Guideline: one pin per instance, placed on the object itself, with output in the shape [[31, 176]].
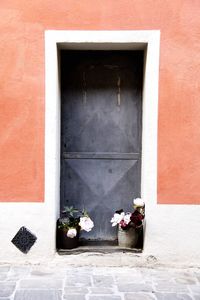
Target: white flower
[[71, 233], [117, 218], [138, 202], [86, 224], [127, 218]]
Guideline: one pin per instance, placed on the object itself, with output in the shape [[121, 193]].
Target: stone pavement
[[96, 283]]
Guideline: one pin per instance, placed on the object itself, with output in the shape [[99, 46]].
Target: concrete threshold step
[[98, 247]]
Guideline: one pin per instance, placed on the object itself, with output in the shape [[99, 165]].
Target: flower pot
[[127, 238], [66, 242]]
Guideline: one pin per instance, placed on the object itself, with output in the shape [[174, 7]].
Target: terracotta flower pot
[[127, 238]]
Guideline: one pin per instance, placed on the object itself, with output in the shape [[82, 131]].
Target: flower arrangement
[[126, 220], [74, 221]]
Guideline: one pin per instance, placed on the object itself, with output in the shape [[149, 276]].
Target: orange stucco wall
[[22, 25]]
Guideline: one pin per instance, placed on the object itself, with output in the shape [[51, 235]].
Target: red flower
[[136, 218], [123, 224]]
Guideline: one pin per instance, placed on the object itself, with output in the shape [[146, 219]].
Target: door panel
[[101, 133], [103, 186]]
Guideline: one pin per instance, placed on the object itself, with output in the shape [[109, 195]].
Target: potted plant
[[129, 224], [70, 225]]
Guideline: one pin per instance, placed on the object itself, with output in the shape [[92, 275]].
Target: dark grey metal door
[[101, 125]]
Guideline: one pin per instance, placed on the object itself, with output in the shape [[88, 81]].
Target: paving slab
[[98, 283], [103, 280], [38, 295], [7, 288], [3, 276], [103, 297], [75, 290], [101, 290], [195, 289], [172, 296], [139, 296], [4, 269], [171, 287], [41, 283], [134, 287], [74, 297], [78, 280]]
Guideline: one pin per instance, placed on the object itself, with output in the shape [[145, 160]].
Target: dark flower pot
[[64, 242]]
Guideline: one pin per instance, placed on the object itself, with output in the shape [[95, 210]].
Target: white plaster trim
[[101, 40], [121, 40]]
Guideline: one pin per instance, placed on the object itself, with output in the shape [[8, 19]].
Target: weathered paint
[[22, 26], [101, 156]]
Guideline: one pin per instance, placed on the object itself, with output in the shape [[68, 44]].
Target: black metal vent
[[24, 240]]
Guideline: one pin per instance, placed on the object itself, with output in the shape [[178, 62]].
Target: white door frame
[[149, 40]]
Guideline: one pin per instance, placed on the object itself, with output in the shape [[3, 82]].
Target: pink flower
[[86, 224], [71, 233], [123, 225]]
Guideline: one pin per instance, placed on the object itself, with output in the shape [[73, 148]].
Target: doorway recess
[[101, 124], [145, 41]]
